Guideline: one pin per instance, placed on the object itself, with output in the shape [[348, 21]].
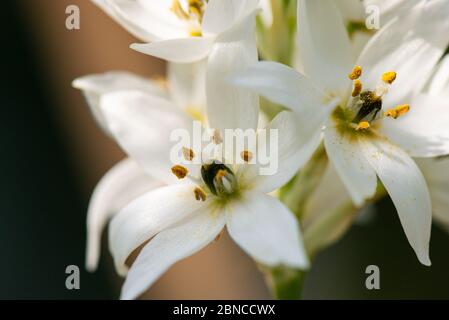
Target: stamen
[[246, 155], [200, 195], [195, 33], [357, 88], [389, 77], [179, 171], [355, 73], [363, 125], [188, 154], [398, 111], [196, 7]]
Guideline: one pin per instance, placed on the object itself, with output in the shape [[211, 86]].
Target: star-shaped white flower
[[374, 125], [179, 30]]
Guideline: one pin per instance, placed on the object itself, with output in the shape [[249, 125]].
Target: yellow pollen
[[246, 155], [398, 111], [196, 7], [357, 88], [200, 195], [195, 33], [188, 154], [363, 125], [389, 77], [179, 171], [355, 73]]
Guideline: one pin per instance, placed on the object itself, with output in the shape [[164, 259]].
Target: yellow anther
[[402, 109], [195, 33], [355, 73], [398, 111], [188, 154], [246, 155], [179, 171], [389, 77], [357, 88], [200, 195], [363, 125]]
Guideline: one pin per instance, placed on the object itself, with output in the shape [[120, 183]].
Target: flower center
[[364, 106], [192, 12], [220, 180]]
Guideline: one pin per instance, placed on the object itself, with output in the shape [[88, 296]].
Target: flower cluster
[[353, 108]]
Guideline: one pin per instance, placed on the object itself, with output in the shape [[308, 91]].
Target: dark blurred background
[[53, 154]]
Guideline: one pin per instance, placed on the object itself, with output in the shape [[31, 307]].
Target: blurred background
[[53, 154]]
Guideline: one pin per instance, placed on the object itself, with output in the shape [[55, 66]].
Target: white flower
[[362, 136], [176, 220], [179, 30]]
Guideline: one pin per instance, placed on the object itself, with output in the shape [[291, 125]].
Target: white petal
[[95, 85], [229, 107], [119, 186], [128, 14], [424, 130], [148, 215], [266, 230], [280, 84], [167, 248], [147, 20], [352, 167], [188, 85], [410, 46], [290, 152], [407, 189], [440, 81], [221, 16], [436, 173], [142, 125], [184, 50], [324, 45], [267, 13], [389, 9]]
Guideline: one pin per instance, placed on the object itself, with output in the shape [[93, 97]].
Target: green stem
[[285, 283], [297, 193]]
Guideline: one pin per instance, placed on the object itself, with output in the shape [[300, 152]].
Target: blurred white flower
[[436, 170], [179, 30], [368, 132]]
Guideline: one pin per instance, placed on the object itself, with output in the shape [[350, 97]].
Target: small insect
[[219, 178], [370, 104]]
